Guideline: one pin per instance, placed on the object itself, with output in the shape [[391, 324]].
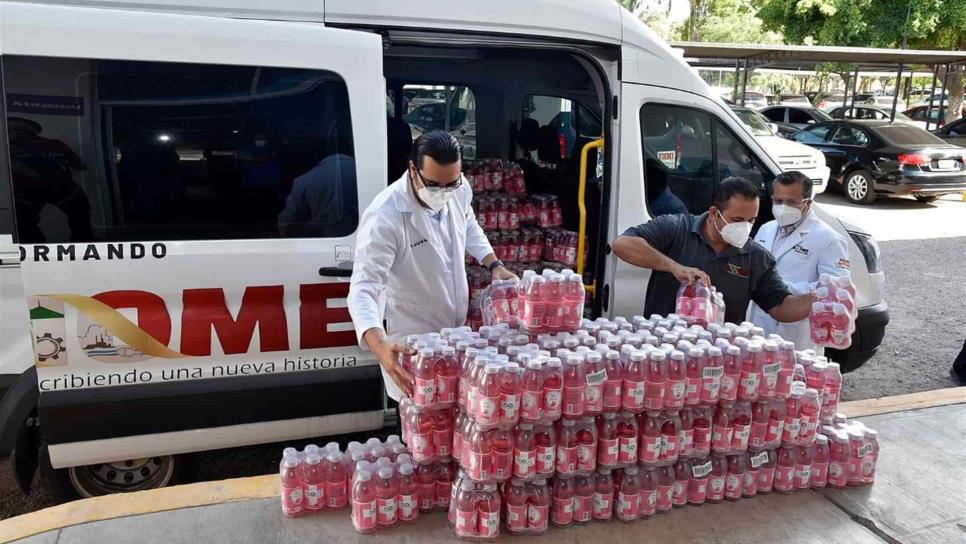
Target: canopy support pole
[[895, 97]]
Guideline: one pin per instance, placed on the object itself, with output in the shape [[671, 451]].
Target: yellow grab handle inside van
[[581, 193]]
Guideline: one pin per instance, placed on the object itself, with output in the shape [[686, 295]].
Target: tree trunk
[[954, 86]]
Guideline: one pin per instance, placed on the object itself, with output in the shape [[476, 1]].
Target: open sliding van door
[[187, 191]]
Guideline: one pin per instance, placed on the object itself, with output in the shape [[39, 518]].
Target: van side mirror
[[810, 122]]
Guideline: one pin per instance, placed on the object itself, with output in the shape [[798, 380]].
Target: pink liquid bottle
[[634, 387], [613, 382], [665, 488], [420, 437], [525, 452], [629, 496], [313, 482], [649, 479], [650, 438], [722, 432], [718, 478], [336, 481], [445, 475], [809, 411], [820, 462], [573, 302], [751, 373], [488, 397], [803, 467], [603, 495], [702, 431], [566, 447], [510, 393], [608, 443], [786, 356], [546, 450], [695, 363], [793, 422], [424, 375], [441, 423], [583, 498], [770, 367], [538, 511], [290, 479], [684, 299], [831, 389], [870, 455], [501, 445], [819, 321], [626, 440], [856, 437], [815, 375], [535, 306], [840, 327], [767, 461], [480, 468], [670, 441], [686, 433], [711, 376], [785, 469], [562, 502], [682, 476], [759, 424], [386, 491], [552, 389], [488, 513], [741, 423], [595, 376], [407, 499], [447, 377], [776, 422], [466, 517], [456, 449], [473, 382], [466, 451], [657, 385], [364, 509], [575, 387], [531, 403], [553, 295], [734, 484], [426, 487], [732, 374], [677, 381], [839, 458], [516, 498], [698, 483], [586, 445]]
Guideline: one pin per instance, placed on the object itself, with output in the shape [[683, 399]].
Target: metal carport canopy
[[808, 56]]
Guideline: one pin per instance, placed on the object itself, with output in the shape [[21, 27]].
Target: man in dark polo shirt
[[715, 249]]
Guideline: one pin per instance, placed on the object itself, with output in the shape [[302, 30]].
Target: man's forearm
[[374, 338], [793, 308], [488, 259], [638, 252]]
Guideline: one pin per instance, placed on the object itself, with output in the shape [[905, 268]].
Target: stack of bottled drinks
[[832, 320]]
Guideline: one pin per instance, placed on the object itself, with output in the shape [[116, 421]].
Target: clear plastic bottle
[[290, 478], [447, 377], [711, 374], [759, 424], [787, 359], [586, 445], [501, 446], [776, 422], [698, 484], [575, 387], [583, 498], [595, 375], [386, 491], [336, 481], [608, 446], [510, 392], [736, 477], [722, 433], [831, 389], [612, 388], [686, 432], [649, 480], [820, 461], [751, 373], [407, 498], [524, 452], [546, 440], [531, 403], [650, 438], [603, 495], [717, 480], [562, 509], [566, 447], [634, 388], [538, 511], [741, 425], [731, 375], [488, 508], [670, 432], [809, 414], [682, 475], [665, 488], [785, 469], [516, 498], [793, 422], [702, 424], [839, 458], [677, 381], [424, 376], [628, 503], [466, 517], [750, 482], [552, 389], [364, 510], [803, 467], [313, 482]]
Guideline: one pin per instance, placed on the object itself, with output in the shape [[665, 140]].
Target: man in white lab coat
[[409, 257], [803, 245]]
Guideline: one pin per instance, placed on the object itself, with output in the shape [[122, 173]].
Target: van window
[[442, 107], [684, 163], [118, 150], [563, 124]]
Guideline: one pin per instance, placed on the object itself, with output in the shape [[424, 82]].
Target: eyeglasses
[[440, 186], [792, 203]]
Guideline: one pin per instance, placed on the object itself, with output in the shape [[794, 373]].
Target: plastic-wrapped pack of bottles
[[499, 302], [474, 511], [313, 480], [832, 320], [700, 305]]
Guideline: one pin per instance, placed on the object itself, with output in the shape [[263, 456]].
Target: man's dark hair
[[793, 178], [438, 144], [732, 187]]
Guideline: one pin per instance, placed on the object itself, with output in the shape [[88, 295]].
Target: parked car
[[827, 101], [873, 113], [868, 158], [934, 116], [798, 116], [794, 99], [789, 154], [753, 99], [954, 133]]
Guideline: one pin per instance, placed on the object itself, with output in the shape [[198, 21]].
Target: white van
[[181, 183]]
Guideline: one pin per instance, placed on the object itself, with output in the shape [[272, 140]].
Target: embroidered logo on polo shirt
[[844, 264], [419, 243], [800, 249], [737, 270]]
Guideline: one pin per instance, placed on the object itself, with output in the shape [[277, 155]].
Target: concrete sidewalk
[[919, 497]]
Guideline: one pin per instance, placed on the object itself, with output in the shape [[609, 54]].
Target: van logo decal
[[91, 252]]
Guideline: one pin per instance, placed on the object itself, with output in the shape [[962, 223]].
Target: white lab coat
[[809, 250], [399, 270]]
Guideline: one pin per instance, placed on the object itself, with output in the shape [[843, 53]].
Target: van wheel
[[859, 188], [105, 478]]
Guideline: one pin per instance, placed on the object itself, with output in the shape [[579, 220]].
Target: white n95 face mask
[[735, 234], [436, 200], [786, 215]]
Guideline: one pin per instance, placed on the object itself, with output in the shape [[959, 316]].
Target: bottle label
[[627, 450], [583, 508], [633, 395], [563, 511], [502, 465], [654, 395], [489, 524], [530, 405], [314, 496], [648, 501], [669, 446], [698, 489], [750, 486], [702, 470], [551, 400], [712, 372], [612, 393], [480, 468], [566, 459], [386, 511], [510, 404], [525, 463], [421, 446], [516, 517], [771, 375], [446, 387], [679, 492], [603, 505], [693, 393], [807, 432], [865, 449], [424, 392], [749, 384], [408, 507], [364, 515], [868, 466], [443, 489], [775, 429], [546, 455], [608, 450], [716, 487], [721, 438], [665, 495], [784, 478], [766, 479], [702, 439], [486, 410], [628, 505], [336, 494], [837, 473], [758, 459], [733, 485], [594, 401], [574, 400], [759, 431], [803, 475], [537, 516], [597, 378], [291, 499], [466, 522], [729, 387], [675, 396], [793, 426], [819, 475], [651, 447], [740, 437], [427, 497], [586, 457]]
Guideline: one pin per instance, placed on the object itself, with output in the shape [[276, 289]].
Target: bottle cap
[[638, 355], [811, 393], [405, 469], [677, 355], [449, 351], [383, 462], [630, 470], [657, 355], [362, 465], [593, 357], [714, 351], [404, 459], [612, 354], [491, 369], [363, 475], [786, 345], [534, 364], [734, 350], [289, 451], [695, 352], [821, 439], [426, 353], [554, 362], [771, 345], [567, 422], [526, 426], [609, 415], [513, 368]]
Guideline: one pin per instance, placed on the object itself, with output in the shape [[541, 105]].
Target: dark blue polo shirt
[[743, 275]]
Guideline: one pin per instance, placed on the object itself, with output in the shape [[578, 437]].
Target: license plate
[[948, 164]]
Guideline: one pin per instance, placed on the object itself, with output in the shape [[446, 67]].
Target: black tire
[[56, 481], [926, 198], [859, 187]]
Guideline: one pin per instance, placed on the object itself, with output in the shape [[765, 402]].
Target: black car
[[867, 158], [798, 116], [954, 133]]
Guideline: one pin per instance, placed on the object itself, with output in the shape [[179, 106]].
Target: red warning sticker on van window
[[667, 158]]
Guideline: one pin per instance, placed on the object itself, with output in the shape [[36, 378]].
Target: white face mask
[[735, 234], [435, 199], [786, 215]]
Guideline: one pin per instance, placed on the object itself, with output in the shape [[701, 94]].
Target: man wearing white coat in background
[[409, 257], [804, 247]]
